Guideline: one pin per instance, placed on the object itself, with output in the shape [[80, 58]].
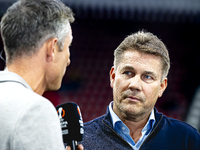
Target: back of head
[[145, 42], [27, 24]]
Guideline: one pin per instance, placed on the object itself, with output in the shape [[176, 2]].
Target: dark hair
[[27, 24]]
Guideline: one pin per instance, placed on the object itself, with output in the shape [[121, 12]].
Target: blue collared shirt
[[123, 130]]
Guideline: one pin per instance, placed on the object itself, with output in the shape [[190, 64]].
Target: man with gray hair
[[36, 36], [138, 79]]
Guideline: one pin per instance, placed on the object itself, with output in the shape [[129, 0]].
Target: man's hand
[[80, 147]]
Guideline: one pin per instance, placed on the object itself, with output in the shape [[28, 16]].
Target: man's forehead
[[134, 60]]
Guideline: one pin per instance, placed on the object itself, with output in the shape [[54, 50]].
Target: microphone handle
[[73, 144]]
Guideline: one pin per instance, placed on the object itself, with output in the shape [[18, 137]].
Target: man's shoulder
[[94, 124], [175, 122], [94, 121], [177, 126], [20, 99]]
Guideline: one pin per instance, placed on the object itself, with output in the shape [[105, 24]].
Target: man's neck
[[31, 72], [136, 128]]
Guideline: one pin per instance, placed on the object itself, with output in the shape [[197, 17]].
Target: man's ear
[[51, 49], [163, 86], [112, 76]]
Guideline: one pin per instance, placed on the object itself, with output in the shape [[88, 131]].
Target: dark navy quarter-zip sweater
[[167, 134]]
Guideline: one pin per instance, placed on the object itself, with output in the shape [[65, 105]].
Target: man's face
[[60, 63], [136, 85]]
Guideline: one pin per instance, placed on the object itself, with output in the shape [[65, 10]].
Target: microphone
[[71, 123]]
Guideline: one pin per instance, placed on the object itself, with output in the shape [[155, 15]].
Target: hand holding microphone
[[80, 147], [71, 124]]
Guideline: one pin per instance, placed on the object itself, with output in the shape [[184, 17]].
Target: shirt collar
[[7, 76], [150, 123], [114, 117]]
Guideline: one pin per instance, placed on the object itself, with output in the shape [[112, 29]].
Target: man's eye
[[127, 72], [148, 77]]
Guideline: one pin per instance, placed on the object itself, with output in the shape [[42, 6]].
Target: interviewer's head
[[39, 28], [27, 24]]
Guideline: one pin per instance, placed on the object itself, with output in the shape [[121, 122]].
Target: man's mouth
[[133, 99]]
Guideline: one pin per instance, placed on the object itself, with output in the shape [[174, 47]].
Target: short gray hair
[[27, 24]]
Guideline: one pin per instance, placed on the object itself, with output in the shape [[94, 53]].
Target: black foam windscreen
[[71, 122]]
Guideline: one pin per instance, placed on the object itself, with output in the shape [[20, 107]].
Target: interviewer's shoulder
[[36, 103]]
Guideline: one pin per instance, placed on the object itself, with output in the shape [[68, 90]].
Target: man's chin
[[54, 88]]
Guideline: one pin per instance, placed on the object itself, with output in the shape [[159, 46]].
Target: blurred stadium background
[[99, 28]]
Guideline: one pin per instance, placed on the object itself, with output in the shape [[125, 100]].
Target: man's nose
[[135, 83]]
